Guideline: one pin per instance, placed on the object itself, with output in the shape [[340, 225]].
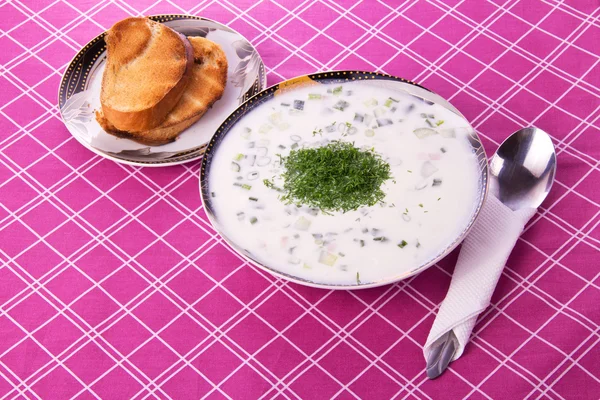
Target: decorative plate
[[332, 78], [79, 96]]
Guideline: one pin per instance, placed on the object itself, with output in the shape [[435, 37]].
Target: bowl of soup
[[344, 179]]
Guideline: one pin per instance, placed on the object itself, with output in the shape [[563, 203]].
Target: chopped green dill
[[380, 239], [409, 171], [337, 91], [358, 278], [317, 132], [441, 121], [402, 244], [439, 198], [348, 125], [335, 177], [421, 205], [253, 220], [406, 209], [271, 185], [253, 198]]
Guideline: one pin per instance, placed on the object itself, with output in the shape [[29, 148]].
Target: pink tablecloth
[[114, 285]]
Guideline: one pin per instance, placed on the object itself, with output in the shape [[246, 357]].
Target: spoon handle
[[480, 263], [441, 354]]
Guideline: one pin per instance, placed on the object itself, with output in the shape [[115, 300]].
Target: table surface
[[114, 285]]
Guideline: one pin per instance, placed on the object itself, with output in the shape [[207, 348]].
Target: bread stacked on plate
[[157, 82]]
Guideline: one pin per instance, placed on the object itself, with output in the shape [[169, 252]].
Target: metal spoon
[[521, 175]]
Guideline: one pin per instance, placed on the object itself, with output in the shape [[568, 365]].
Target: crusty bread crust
[[147, 70], [206, 86], [160, 135]]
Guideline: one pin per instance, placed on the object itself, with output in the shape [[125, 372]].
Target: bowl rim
[[335, 76]]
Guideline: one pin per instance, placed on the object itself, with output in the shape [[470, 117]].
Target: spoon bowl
[[522, 170]]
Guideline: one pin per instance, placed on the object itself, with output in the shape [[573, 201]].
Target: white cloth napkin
[[480, 263]]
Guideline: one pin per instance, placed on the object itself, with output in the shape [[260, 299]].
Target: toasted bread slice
[[147, 70], [206, 86]]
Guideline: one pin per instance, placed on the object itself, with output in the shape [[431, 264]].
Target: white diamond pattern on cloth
[[480, 263]]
